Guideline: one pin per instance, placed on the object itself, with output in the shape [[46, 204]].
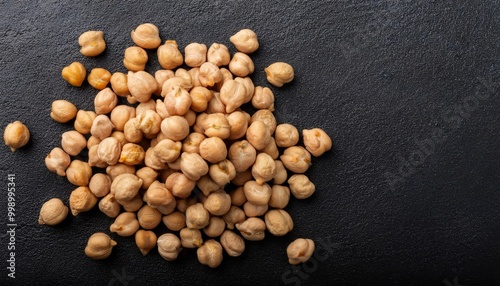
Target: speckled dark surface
[[378, 76]]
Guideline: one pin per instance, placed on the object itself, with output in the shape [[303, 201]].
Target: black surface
[[378, 76]]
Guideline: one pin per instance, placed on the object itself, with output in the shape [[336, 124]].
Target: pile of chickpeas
[[183, 152]]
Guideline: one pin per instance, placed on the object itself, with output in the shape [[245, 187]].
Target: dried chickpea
[[183, 204], [200, 96], [53, 212], [209, 74], [226, 75], [233, 216], [57, 161], [265, 116], [93, 141], [118, 169], [150, 160], [245, 41], [197, 217], [300, 186], [169, 55], [175, 127], [120, 115], [175, 221], [109, 150], [300, 250], [141, 85], [94, 159], [147, 175], [195, 54], [101, 127], [190, 117], [161, 77], [132, 131], [278, 222], [271, 149], [233, 244], [253, 210], [263, 98], [73, 142], [63, 111], [199, 124], [146, 36], [213, 149], [238, 196], [133, 205], [81, 200], [78, 173], [316, 141], [215, 105], [99, 246], [218, 54], [238, 124], [99, 78], [100, 185], [176, 81], [125, 187], [286, 135], [249, 86], [84, 120], [252, 229], [105, 101], [258, 135], [279, 197], [149, 217], [218, 203], [92, 43], [264, 168], [242, 154], [158, 195], [215, 227], [177, 101], [125, 224], [279, 73], [222, 172], [232, 94], [296, 159], [210, 253], [193, 165], [180, 185], [258, 194], [145, 240], [207, 185], [169, 246], [216, 125], [149, 123], [135, 59], [74, 74], [109, 206], [242, 177], [119, 84], [16, 135], [191, 238], [241, 65]]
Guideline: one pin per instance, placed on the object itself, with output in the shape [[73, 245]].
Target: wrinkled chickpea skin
[[146, 36], [210, 253], [316, 141], [53, 212], [300, 250], [92, 43], [99, 246], [245, 41], [74, 74], [57, 161], [169, 246], [279, 73], [16, 135], [63, 111]]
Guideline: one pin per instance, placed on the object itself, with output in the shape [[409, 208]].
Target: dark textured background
[[378, 76]]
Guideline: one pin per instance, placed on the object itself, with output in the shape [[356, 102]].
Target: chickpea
[[141, 85], [218, 203], [161, 77], [100, 185], [195, 74], [177, 101], [193, 166], [300, 186], [109, 150], [218, 54], [125, 224], [179, 185], [118, 169], [74, 74], [175, 127], [249, 86], [109, 206], [232, 243], [53, 212], [169, 246], [232, 94], [199, 124], [238, 125], [145, 240], [279, 197], [92, 43], [316, 141], [216, 125], [135, 59], [258, 135], [120, 115], [73, 142], [222, 172], [233, 216], [286, 135], [242, 154], [93, 141], [119, 84], [258, 194], [84, 120], [241, 65], [168, 150], [150, 160], [207, 185], [147, 175], [264, 168], [78, 173], [94, 159], [149, 123], [99, 246], [125, 187], [238, 196], [191, 238], [190, 117], [265, 116], [263, 98], [300, 250], [175, 221], [242, 177], [296, 159], [215, 105], [101, 127], [213, 149], [158, 196], [105, 101], [169, 55], [132, 154], [133, 205], [226, 75], [253, 210], [57, 161], [132, 131], [16, 135], [81, 200], [149, 217], [252, 229], [63, 111], [183, 204], [271, 149], [209, 74], [278, 222], [99, 78], [195, 54], [215, 227], [146, 36], [197, 217], [200, 96], [176, 81], [210, 253], [245, 41], [279, 73]]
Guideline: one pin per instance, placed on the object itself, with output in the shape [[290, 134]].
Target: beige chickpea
[[101, 127], [194, 73], [218, 203], [218, 54], [278, 222], [296, 159], [197, 217], [281, 173], [74, 74], [177, 100], [169, 55], [286, 135], [252, 229], [264, 168], [249, 87], [238, 124], [63, 111], [253, 210], [132, 131], [233, 244], [226, 75], [109, 206], [222, 172], [146, 36], [149, 217], [109, 150], [192, 142], [120, 115], [191, 238], [233, 216], [180, 185], [176, 81], [207, 185], [16, 135], [232, 94], [216, 125], [263, 98], [279, 73], [161, 77], [183, 204], [84, 120], [168, 150], [100, 185], [316, 141], [145, 240], [245, 41], [133, 205], [118, 169], [57, 161], [215, 105], [93, 141], [175, 127], [279, 197], [241, 65], [175, 221], [125, 187], [73, 142], [195, 54], [161, 109], [300, 250], [258, 194], [190, 117], [267, 117], [271, 149], [209, 74], [143, 107], [53, 212], [199, 124], [94, 159], [92, 43], [135, 59], [149, 123], [213, 149], [242, 177], [210, 253], [78, 173], [125, 224], [119, 85], [150, 160], [215, 227], [193, 165], [105, 101], [147, 175], [200, 96], [258, 135], [99, 78], [238, 195], [158, 195], [141, 85], [169, 246], [242, 154], [131, 154], [99, 246], [81, 200], [300, 186]]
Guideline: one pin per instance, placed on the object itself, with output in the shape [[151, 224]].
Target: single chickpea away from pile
[[180, 149], [16, 135]]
